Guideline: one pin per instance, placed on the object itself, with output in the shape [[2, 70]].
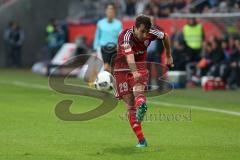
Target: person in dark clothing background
[[234, 65], [216, 59], [204, 64], [14, 38], [55, 37], [81, 44], [179, 51], [7, 43], [179, 56]]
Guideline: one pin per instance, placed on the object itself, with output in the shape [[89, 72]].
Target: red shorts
[[125, 82]]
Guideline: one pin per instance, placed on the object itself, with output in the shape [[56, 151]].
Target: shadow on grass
[[131, 150]]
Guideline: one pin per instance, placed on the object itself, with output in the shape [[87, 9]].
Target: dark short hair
[[111, 4], [143, 19]]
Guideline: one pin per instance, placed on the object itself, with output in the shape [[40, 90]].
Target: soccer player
[[131, 74], [106, 36]]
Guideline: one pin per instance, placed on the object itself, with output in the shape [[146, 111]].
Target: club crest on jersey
[[146, 43], [140, 52], [127, 48]]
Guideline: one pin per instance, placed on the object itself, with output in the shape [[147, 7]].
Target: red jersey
[[129, 44]]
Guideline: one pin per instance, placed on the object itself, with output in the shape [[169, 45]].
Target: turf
[[29, 129]]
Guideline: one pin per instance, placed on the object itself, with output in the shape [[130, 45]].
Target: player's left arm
[[167, 46], [157, 34]]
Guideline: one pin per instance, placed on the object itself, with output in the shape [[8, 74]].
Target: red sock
[[139, 99], [136, 126]]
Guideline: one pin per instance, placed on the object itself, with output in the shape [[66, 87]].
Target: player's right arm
[[166, 43], [126, 50], [132, 66]]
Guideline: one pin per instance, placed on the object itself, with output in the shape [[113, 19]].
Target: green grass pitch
[[29, 129]]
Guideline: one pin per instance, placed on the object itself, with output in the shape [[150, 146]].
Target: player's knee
[[138, 88], [131, 109], [129, 99]]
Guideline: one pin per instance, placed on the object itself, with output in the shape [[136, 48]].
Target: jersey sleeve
[[124, 43], [157, 34]]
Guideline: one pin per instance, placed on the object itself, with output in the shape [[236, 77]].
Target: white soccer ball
[[104, 81]]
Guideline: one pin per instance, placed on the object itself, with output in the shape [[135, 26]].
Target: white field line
[[26, 85], [175, 105], [202, 108]]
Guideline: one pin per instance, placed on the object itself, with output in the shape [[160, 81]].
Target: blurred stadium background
[[45, 30], [49, 33]]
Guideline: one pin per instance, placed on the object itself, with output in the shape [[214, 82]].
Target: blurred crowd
[[163, 8], [192, 51], [94, 9], [215, 57], [2, 2]]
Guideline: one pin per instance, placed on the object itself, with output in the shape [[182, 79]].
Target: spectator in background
[[7, 46], [81, 44], [51, 26], [193, 36], [106, 36], [178, 50], [140, 6], [152, 8], [226, 49], [148, 10], [216, 59], [179, 56], [130, 8], [178, 5], [213, 3], [234, 64], [14, 38], [204, 64], [55, 38], [227, 52], [223, 7], [165, 10], [176, 36], [158, 8]]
